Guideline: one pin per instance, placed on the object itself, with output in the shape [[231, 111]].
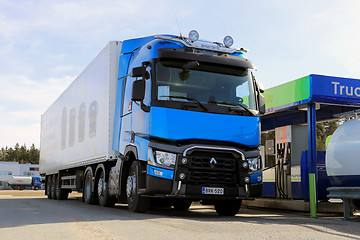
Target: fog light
[[184, 161], [254, 164], [245, 165], [182, 176], [247, 179]]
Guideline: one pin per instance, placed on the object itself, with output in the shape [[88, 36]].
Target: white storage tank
[[343, 155], [20, 180]]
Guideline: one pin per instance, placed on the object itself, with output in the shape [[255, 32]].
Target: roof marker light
[[228, 41], [193, 35]]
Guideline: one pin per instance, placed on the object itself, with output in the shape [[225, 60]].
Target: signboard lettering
[[349, 90]]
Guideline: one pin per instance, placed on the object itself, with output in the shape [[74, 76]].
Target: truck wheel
[[48, 186], [136, 203], [104, 198], [53, 186], [182, 204], [61, 194], [227, 207], [88, 186]]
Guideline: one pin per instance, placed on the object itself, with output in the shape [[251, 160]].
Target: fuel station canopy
[[288, 104], [305, 101]]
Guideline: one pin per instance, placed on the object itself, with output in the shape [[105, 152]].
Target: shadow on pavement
[[16, 212]]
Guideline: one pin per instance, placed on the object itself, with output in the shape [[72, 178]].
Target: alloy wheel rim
[[101, 186], [130, 186]]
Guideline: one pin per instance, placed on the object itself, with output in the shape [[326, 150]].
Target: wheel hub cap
[[130, 186], [101, 187]]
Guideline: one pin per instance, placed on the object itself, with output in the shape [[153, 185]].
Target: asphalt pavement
[[30, 215]]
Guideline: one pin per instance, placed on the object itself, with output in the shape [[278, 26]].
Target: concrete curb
[[293, 205]]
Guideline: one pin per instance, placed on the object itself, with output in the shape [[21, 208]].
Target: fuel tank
[[343, 155], [20, 180]]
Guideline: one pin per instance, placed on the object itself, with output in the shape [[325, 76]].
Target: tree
[[20, 154], [11, 155], [323, 130], [33, 155], [23, 154]]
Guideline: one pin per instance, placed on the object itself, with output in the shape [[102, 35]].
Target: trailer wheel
[[88, 186], [53, 186], [61, 194], [104, 198], [48, 187], [227, 207], [136, 203], [182, 204]]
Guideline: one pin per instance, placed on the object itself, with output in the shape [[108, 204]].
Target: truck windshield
[[205, 83]]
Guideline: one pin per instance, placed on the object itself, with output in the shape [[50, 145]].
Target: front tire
[[136, 203], [182, 204], [227, 207]]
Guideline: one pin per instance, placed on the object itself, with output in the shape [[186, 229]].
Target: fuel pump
[[282, 165], [283, 162]]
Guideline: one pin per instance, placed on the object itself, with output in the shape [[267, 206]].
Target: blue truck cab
[[187, 124]]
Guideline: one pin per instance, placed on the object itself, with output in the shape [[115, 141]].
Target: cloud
[[22, 134], [341, 40], [22, 101], [77, 17], [20, 89], [60, 69], [45, 44]]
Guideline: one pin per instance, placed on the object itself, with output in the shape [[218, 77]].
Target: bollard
[[312, 194]]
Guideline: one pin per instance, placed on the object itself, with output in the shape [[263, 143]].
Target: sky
[[45, 44]]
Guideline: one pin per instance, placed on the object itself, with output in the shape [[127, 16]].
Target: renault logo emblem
[[213, 162]]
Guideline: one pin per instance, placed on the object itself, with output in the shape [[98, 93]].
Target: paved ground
[[30, 215]]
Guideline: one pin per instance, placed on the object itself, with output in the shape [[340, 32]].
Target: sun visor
[[208, 57]]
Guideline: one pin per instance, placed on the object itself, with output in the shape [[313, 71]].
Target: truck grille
[[202, 160], [203, 170]]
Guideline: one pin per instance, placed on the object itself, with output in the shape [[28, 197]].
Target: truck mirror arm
[[261, 101], [144, 107]]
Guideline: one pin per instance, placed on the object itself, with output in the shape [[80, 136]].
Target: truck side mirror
[[138, 90], [261, 99], [140, 72]]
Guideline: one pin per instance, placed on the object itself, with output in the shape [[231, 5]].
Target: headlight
[[165, 158], [254, 164]]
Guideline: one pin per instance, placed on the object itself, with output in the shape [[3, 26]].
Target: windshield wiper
[[235, 105], [189, 99]]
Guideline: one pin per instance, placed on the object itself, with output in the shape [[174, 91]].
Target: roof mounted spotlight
[[228, 41], [193, 35]]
